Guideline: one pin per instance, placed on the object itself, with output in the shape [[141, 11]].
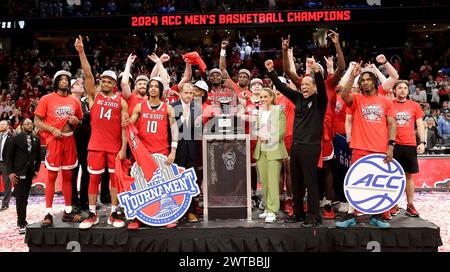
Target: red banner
[[434, 172]]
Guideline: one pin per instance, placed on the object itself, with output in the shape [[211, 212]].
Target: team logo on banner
[[372, 186], [164, 198]]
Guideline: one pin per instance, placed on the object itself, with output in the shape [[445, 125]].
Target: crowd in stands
[[58, 8], [26, 73]]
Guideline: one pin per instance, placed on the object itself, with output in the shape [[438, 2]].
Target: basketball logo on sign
[[372, 186]]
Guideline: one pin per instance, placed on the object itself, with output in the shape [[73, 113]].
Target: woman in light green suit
[[270, 151]]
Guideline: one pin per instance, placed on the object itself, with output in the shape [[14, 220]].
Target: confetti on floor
[[432, 206]]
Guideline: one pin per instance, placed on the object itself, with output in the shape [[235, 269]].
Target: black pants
[[187, 163], [6, 185], [304, 159], [82, 200], [21, 192]]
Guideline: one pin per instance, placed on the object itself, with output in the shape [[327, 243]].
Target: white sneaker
[[343, 207], [271, 217], [93, 219], [263, 215]]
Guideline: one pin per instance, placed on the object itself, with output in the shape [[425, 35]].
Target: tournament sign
[[372, 186], [164, 198]]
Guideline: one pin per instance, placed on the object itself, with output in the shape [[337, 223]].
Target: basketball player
[[408, 113], [152, 119], [373, 129], [108, 139], [56, 116]]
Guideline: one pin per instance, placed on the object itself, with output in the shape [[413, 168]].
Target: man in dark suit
[[23, 159], [5, 136], [188, 118]]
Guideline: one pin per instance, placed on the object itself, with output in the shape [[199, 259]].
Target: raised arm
[[126, 91], [388, 84], [223, 59], [288, 61], [289, 93], [187, 74], [340, 58], [347, 94], [158, 69], [89, 80]]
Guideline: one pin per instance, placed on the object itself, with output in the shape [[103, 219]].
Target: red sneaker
[[411, 211], [172, 225], [288, 205], [386, 215], [328, 212], [134, 225], [394, 210]]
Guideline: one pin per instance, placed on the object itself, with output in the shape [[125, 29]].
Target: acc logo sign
[[372, 186], [162, 200]]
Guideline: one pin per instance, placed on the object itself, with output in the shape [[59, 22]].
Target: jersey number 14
[[104, 114]]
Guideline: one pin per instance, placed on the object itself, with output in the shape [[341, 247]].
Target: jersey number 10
[[152, 126]]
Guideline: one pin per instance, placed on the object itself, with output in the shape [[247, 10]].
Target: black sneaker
[[22, 229], [48, 221], [294, 219], [72, 217], [312, 221]]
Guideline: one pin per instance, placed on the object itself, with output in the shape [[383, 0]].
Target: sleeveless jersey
[[153, 127], [106, 124]]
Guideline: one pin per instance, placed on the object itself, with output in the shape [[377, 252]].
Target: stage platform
[[405, 235]]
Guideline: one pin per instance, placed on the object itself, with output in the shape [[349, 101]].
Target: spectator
[[430, 133], [4, 116], [444, 127], [419, 96], [431, 83]]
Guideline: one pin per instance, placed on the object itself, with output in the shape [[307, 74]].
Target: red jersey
[[153, 127], [406, 113], [328, 120], [288, 108], [55, 110], [369, 126], [173, 97], [132, 101], [339, 115], [106, 124]]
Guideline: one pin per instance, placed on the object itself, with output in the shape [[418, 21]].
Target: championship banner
[[372, 186], [156, 193]]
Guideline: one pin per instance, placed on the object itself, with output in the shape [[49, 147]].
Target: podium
[[226, 177]]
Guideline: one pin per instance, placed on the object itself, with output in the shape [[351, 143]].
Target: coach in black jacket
[[310, 106], [23, 159], [188, 118]]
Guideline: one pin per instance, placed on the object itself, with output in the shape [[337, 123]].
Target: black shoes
[[294, 219], [312, 221]]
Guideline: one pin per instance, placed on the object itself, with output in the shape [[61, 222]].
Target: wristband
[[52, 130], [223, 52], [392, 142], [384, 62], [174, 145]]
